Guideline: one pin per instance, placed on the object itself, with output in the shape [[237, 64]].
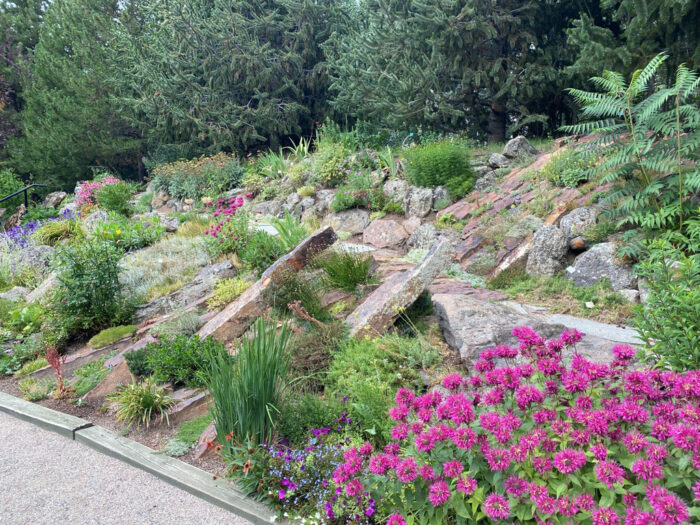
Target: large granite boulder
[[195, 290], [576, 222], [380, 310], [352, 221], [323, 201], [33, 259], [423, 237], [384, 233], [15, 294], [54, 199], [600, 263], [549, 246], [396, 190], [518, 148]]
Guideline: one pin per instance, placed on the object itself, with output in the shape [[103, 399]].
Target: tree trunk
[[497, 122]]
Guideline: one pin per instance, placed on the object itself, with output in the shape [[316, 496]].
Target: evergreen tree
[[451, 64], [69, 122], [208, 75], [19, 26]]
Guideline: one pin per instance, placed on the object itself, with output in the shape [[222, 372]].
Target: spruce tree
[[70, 124]]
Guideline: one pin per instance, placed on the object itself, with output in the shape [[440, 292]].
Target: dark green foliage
[[248, 390], [89, 294], [70, 122], [39, 213], [10, 183], [442, 164], [304, 412], [345, 270], [669, 322], [138, 364], [115, 198], [261, 250], [181, 360]]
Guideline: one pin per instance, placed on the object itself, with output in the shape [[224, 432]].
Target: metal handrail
[[25, 189]]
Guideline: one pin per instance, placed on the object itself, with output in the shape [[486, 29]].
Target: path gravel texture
[[46, 478]]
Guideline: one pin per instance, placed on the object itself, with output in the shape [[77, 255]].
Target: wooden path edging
[[197, 482]]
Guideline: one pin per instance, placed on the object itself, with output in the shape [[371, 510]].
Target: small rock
[[496, 160], [306, 203], [159, 200], [482, 263], [292, 200], [41, 291], [16, 218], [189, 202], [423, 237], [576, 222], [525, 226], [519, 147], [384, 233], [351, 221], [272, 208], [54, 199], [16, 294], [598, 263], [589, 305], [644, 290], [396, 190], [418, 202], [482, 171], [168, 222], [631, 295], [441, 194], [323, 201], [486, 181], [411, 224], [549, 247], [71, 207], [578, 244], [92, 220]]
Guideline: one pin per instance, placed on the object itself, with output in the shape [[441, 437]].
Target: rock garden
[[357, 331]]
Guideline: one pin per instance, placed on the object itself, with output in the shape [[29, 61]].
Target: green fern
[[649, 137]]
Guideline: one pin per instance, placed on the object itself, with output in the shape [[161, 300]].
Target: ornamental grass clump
[[533, 437], [247, 390]]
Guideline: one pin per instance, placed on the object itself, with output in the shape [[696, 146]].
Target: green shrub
[[368, 372], [129, 235], [182, 323], [227, 291], [441, 164], [204, 176], [38, 214], [345, 270], [88, 377], [306, 191], [327, 165], [180, 360], [143, 205], [115, 198], [139, 402], [261, 251], [36, 389], [32, 366], [314, 345], [669, 322], [290, 286], [568, 168], [360, 192], [304, 412], [53, 232], [27, 319], [137, 362], [247, 391], [89, 295], [111, 335], [290, 230], [10, 182]]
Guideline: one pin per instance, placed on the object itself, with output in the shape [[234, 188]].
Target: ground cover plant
[[111, 335]]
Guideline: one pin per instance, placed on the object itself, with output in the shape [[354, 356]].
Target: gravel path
[[46, 478]]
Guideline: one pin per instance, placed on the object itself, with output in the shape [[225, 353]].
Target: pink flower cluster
[[542, 437], [85, 195], [225, 209]]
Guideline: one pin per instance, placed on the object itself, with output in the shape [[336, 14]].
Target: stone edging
[[173, 471]]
